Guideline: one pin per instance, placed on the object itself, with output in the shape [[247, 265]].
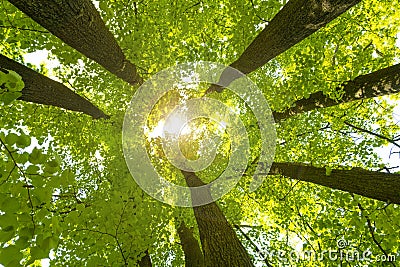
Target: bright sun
[[175, 125]]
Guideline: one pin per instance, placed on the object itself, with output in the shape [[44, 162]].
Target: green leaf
[[24, 218], [23, 141], [328, 171], [27, 232], [52, 163], [22, 242], [10, 204], [6, 236], [67, 177], [11, 139], [7, 220], [55, 225], [38, 182], [14, 83], [49, 243], [159, 34], [9, 228], [22, 158], [3, 78], [37, 253], [80, 207], [32, 169], [14, 263], [49, 169], [36, 157], [8, 97], [43, 194], [10, 254]]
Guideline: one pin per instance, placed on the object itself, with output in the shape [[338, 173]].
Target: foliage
[[66, 193], [11, 85]]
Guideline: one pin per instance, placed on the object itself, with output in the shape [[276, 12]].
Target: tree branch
[[372, 184], [379, 83], [372, 133], [297, 20], [265, 258], [23, 29]]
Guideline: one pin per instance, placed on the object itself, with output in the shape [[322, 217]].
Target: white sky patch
[[384, 152], [158, 131], [187, 79], [174, 124], [99, 160], [96, 4], [45, 262], [98, 156], [42, 57]]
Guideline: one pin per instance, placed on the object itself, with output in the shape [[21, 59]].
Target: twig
[[265, 258], [23, 29]]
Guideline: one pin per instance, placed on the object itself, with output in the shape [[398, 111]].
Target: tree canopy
[[329, 71]]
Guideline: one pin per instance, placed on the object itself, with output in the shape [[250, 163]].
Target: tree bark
[[379, 83], [42, 90], [221, 246], [372, 184], [297, 20], [190, 246], [145, 261], [79, 24]]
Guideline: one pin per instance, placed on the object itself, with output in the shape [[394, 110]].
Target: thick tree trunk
[[377, 185], [145, 261], [297, 20], [221, 246], [42, 90], [379, 83], [79, 24], [190, 246]]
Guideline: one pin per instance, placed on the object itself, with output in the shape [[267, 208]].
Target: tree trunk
[[79, 24], [297, 20], [42, 90], [190, 246], [221, 246], [372, 184], [145, 261], [382, 82]]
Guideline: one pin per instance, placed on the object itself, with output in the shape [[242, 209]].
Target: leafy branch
[[26, 182]]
